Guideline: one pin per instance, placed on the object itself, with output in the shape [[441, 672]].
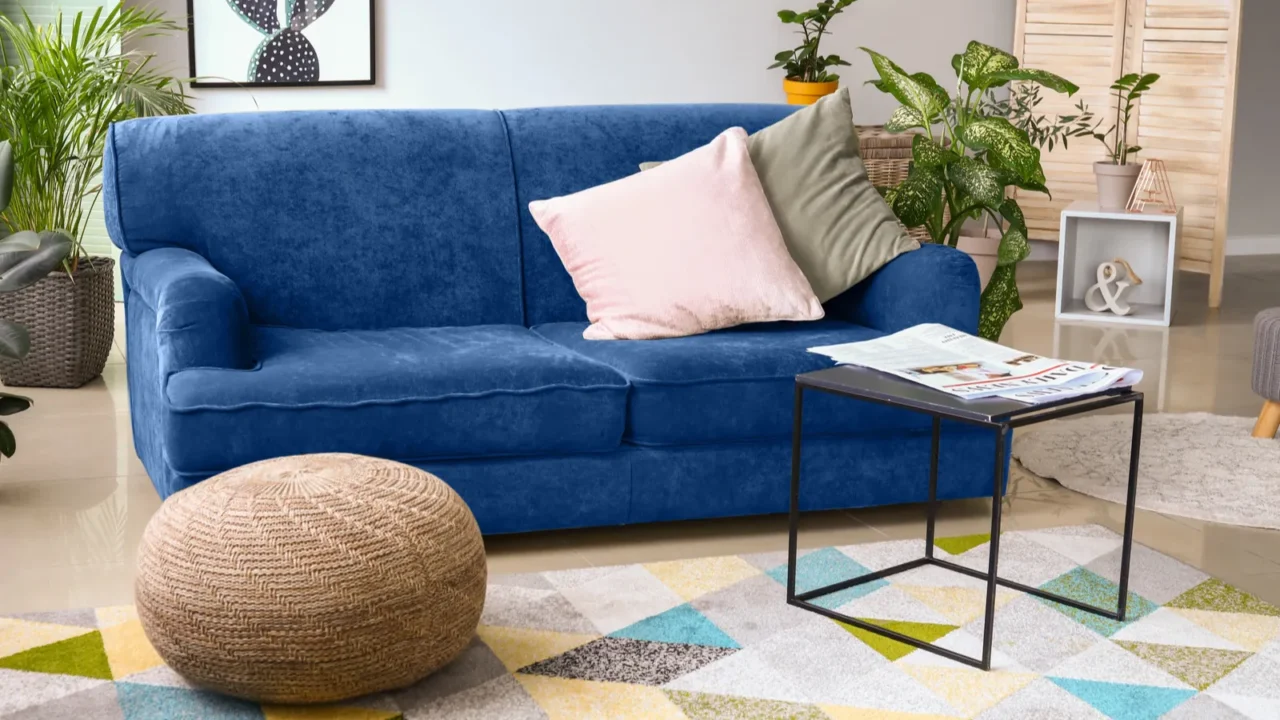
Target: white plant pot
[[1115, 184], [985, 252]]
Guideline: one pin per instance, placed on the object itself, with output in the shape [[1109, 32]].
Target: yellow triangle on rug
[[518, 647]]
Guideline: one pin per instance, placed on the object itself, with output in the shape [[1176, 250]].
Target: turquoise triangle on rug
[[828, 566], [1126, 702], [682, 624]]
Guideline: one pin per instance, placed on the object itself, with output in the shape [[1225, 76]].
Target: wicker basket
[[888, 159], [71, 320]]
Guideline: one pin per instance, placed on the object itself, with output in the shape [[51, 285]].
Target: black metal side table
[[1001, 416]]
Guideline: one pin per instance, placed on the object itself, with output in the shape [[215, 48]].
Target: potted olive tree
[[1117, 175], [965, 161], [62, 85], [808, 77]]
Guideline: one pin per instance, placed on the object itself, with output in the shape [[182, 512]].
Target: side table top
[[866, 384]]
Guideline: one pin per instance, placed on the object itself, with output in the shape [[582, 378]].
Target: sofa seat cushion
[[731, 385], [404, 394]]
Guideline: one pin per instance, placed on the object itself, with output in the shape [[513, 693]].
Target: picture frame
[[281, 43]]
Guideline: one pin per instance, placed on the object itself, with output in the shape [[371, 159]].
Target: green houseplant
[[62, 85], [964, 169], [809, 75], [1116, 176], [25, 258]]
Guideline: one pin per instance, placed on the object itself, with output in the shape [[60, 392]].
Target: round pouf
[[313, 578]]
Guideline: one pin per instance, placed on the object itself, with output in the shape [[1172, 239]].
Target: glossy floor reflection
[[75, 499]]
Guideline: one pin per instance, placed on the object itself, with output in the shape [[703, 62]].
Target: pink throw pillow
[[682, 249]]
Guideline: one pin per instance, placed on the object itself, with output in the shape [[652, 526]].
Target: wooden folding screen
[[1187, 120]]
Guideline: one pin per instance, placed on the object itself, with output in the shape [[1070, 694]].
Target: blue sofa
[[372, 282]]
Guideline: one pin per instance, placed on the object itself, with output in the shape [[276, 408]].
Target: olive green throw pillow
[[836, 226]]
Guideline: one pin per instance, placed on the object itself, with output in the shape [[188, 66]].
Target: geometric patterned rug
[[713, 638]]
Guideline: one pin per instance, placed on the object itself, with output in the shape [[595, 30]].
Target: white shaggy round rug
[[1196, 465]]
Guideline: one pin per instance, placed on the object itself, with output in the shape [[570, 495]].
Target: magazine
[[969, 367]]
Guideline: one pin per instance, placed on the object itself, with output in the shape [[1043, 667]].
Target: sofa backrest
[[330, 220], [557, 151], [387, 218]]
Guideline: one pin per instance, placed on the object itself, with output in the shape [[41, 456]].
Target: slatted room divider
[[1187, 120]]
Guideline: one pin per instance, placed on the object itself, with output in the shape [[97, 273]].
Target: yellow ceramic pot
[[807, 93]]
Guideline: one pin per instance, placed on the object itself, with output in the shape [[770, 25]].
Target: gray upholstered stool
[[1266, 371]]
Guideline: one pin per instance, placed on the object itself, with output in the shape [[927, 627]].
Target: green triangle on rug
[[682, 624], [961, 544], [82, 655], [890, 648], [1198, 667], [1119, 701], [1215, 595]]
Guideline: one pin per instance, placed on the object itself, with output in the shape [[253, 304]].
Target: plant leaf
[[978, 180], [21, 241], [904, 119], [6, 172], [1014, 245], [1009, 146], [1040, 77], [8, 443], [34, 265], [929, 154], [999, 302], [908, 90], [11, 404], [915, 199], [15, 343], [940, 95], [980, 61]]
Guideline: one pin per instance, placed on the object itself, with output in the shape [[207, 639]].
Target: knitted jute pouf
[[311, 579]]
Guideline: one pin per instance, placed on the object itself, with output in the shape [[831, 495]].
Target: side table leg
[[997, 502], [933, 489], [1129, 507], [793, 538]]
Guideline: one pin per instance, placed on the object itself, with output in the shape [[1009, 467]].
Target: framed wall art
[[275, 43]]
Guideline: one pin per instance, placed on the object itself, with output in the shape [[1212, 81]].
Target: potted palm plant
[[1116, 175], [808, 77], [965, 162], [61, 87]]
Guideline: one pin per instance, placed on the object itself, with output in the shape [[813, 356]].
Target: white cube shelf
[[1147, 241]]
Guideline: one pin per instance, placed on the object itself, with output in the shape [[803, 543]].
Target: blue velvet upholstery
[[201, 320], [425, 392], [943, 288], [730, 385], [393, 219], [368, 281]]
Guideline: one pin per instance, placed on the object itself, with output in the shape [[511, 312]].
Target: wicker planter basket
[[72, 324], [888, 159]]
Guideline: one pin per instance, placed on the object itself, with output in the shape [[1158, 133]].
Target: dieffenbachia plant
[[966, 160]]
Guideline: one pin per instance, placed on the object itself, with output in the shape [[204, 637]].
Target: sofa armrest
[[201, 317], [935, 284]]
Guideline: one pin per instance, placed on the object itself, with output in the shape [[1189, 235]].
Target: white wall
[[1254, 226], [517, 53]]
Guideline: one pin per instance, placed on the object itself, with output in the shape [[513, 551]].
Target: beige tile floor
[[75, 499]]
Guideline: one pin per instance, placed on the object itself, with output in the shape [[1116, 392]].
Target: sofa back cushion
[[560, 151], [330, 220]]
